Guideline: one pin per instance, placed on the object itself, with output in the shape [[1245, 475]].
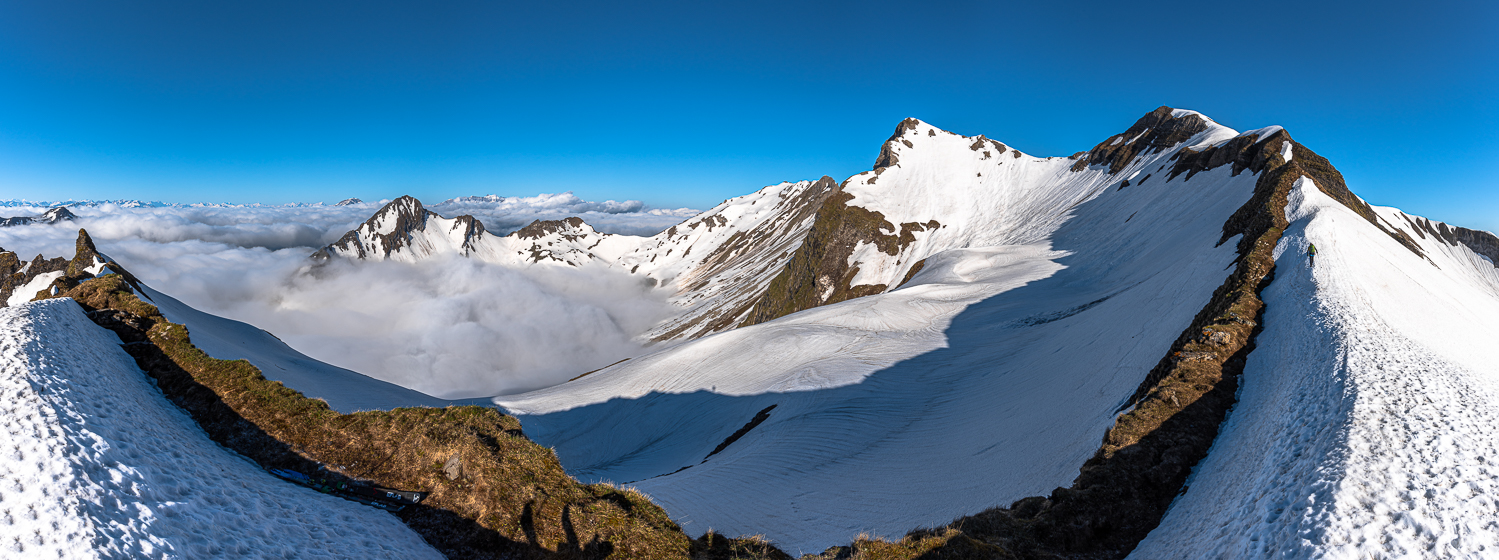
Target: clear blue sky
[[685, 104]]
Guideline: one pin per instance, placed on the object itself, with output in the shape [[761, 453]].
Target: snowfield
[[1366, 426], [990, 377], [1368, 419], [98, 464]]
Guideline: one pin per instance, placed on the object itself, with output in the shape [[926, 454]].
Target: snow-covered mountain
[[51, 216], [406, 231], [1016, 309], [1128, 343], [717, 264]]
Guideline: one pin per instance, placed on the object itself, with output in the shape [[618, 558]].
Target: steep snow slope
[[977, 191], [99, 465], [1368, 421], [719, 262], [989, 377]]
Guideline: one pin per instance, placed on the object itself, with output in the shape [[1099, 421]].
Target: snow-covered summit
[[404, 230], [51, 216], [954, 330]]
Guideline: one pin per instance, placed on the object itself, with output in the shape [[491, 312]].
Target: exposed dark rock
[[744, 252], [538, 228], [75, 271], [1155, 131], [887, 155], [819, 273], [1481, 242]]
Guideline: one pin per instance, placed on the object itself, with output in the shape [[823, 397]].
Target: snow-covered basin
[[96, 463], [1368, 419], [991, 377], [344, 390]]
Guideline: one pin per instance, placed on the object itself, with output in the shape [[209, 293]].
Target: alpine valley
[[1185, 342]]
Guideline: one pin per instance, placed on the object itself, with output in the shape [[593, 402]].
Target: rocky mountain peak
[[887, 155], [1157, 130], [51, 216], [387, 231], [85, 255], [58, 214], [542, 228]]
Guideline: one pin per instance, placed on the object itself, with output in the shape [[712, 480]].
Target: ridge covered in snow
[[100, 465], [955, 330], [997, 363]]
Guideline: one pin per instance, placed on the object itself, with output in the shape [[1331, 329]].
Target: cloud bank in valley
[[450, 327]]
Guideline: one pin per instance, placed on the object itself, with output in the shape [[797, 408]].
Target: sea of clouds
[[449, 326]]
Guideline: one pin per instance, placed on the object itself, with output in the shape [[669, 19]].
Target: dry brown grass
[[513, 499]]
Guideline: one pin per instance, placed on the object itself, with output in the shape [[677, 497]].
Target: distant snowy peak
[[567, 241], [52, 216], [406, 231], [394, 230], [485, 199], [349, 201]]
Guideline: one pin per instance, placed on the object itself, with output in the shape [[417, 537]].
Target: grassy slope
[[512, 500]]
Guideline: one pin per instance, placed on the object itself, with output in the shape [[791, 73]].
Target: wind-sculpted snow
[[1367, 425], [98, 464], [990, 376]]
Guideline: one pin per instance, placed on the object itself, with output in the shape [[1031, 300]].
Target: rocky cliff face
[[42, 277]]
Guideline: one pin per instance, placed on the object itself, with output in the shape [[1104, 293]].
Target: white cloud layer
[[450, 327]]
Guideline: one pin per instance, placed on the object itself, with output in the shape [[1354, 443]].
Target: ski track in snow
[[1367, 424], [96, 463]]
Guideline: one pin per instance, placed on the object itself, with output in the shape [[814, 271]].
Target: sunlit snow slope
[[1047, 294], [98, 464], [1368, 419]]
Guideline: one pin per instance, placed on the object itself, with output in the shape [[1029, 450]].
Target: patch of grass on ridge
[[513, 499]]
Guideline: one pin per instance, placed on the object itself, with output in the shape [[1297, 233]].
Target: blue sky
[[685, 104]]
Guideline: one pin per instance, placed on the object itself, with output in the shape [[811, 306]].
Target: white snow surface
[[990, 376], [1368, 420], [25, 292], [98, 464]]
